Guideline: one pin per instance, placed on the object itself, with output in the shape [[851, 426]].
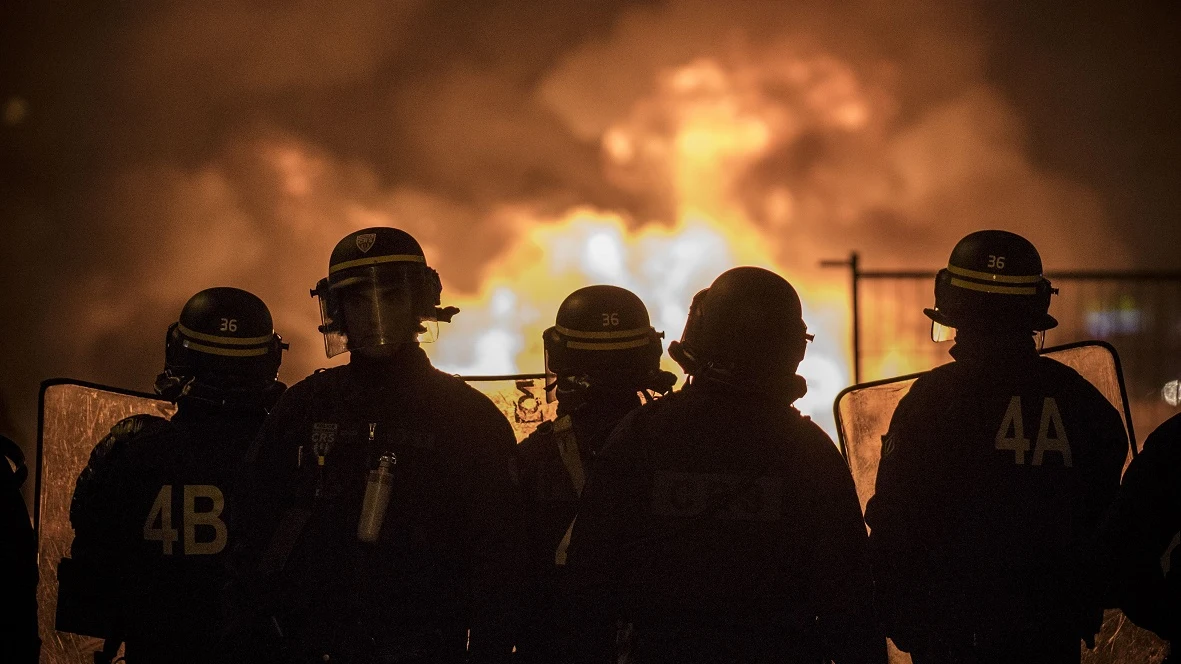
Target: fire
[[720, 160], [499, 331], [691, 140]]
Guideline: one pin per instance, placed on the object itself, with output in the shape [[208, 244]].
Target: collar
[[978, 346], [783, 391], [409, 360]]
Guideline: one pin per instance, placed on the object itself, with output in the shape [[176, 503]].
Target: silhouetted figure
[[18, 561], [149, 510], [993, 475], [718, 524], [1142, 530], [379, 517], [603, 357]]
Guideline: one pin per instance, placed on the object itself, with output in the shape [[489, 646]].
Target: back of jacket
[[554, 462], [723, 527], [993, 475], [150, 513]]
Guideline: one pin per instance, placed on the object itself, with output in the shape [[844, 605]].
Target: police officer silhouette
[[994, 472], [379, 519], [603, 359], [150, 509], [18, 560], [718, 524], [1142, 531]]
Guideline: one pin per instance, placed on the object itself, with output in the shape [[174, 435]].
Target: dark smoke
[[151, 149]]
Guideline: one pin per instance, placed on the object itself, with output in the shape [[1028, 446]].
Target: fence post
[[853, 263]]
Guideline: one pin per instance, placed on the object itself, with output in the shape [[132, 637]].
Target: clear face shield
[[551, 379], [941, 333], [376, 306]]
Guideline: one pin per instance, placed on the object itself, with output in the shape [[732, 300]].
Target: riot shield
[[74, 417], [863, 415], [863, 411], [521, 397]]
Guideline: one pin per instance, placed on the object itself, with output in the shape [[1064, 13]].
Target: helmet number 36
[[611, 320], [229, 325], [996, 261], [158, 526]]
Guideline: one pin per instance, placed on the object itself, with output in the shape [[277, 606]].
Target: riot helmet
[[993, 282], [379, 291], [603, 341], [222, 349], [748, 325]]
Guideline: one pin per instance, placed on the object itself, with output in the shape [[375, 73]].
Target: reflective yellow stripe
[[218, 339], [614, 334], [619, 345], [1003, 278], [228, 352], [375, 260], [989, 288]]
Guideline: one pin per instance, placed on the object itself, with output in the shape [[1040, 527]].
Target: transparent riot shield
[[863, 411], [74, 417], [521, 397], [863, 415]]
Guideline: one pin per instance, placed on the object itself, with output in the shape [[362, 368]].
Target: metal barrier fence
[[1139, 313]]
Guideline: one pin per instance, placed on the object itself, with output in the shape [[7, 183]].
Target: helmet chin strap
[[179, 389]]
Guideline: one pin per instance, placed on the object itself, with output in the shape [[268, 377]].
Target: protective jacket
[[993, 476], [150, 532], [554, 462], [1141, 528], [449, 552], [720, 525]]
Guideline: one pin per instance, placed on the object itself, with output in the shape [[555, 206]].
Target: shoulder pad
[[128, 429], [137, 426], [314, 384]]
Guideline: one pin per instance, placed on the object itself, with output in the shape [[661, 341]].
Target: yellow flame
[[693, 140]]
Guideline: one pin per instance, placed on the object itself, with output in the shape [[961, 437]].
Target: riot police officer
[[993, 474], [379, 518], [149, 510], [603, 359], [719, 524], [18, 561], [1142, 527]]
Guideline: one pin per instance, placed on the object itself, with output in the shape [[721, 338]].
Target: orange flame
[[692, 139]]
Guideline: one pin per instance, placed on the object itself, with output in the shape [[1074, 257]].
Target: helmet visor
[[551, 378], [941, 332], [377, 306], [330, 323]]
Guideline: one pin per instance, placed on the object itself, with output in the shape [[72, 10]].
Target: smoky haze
[[152, 149]]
